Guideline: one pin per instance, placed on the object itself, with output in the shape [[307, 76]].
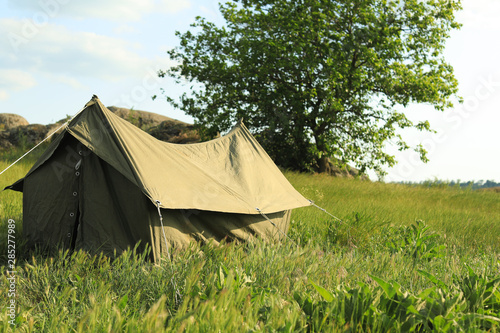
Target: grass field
[[402, 258]]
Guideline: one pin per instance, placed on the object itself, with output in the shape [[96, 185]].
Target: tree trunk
[[324, 160], [324, 164]]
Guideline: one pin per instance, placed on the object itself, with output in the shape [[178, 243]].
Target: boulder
[[175, 132], [9, 120], [4, 140], [345, 172], [27, 135]]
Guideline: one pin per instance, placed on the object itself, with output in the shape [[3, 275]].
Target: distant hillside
[[161, 127], [475, 185], [491, 189], [15, 131]]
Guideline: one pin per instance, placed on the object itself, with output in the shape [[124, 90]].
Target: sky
[[56, 54]]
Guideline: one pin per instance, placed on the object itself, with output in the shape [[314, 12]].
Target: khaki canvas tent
[[102, 184]]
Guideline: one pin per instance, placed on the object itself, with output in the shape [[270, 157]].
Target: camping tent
[[103, 185]]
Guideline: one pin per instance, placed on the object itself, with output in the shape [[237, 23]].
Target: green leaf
[[328, 296], [440, 323], [434, 280], [389, 290], [123, 302], [222, 277]]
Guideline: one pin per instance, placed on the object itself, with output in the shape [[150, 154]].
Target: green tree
[[318, 79]]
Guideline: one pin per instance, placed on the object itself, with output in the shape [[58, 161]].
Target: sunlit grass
[[267, 287], [471, 217]]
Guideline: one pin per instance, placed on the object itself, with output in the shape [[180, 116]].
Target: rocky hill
[[161, 127], [15, 131], [10, 120]]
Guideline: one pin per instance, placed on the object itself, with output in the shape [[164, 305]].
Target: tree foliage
[[318, 78]]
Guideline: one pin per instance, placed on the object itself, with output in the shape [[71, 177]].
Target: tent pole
[[39, 143], [336, 218], [177, 293], [158, 203], [324, 210], [269, 220]]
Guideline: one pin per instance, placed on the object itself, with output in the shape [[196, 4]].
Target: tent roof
[[230, 174]]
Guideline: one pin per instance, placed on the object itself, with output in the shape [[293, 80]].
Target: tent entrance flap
[[75, 230]]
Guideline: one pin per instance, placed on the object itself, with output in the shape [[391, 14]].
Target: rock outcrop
[[10, 120], [161, 127], [15, 131]]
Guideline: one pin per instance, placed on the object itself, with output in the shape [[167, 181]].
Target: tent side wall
[[185, 226]]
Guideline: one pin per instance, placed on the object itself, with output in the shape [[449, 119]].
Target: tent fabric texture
[[102, 183]]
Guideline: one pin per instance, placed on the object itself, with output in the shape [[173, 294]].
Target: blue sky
[[55, 54]]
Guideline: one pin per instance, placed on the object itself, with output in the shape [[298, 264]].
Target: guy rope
[[46, 138]]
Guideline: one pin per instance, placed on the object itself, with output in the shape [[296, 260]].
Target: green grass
[[470, 217], [402, 259]]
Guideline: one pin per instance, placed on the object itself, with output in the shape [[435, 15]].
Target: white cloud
[[76, 59], [68, 81], [124, 29], [14, 80], [117, 10], [56, 50]]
